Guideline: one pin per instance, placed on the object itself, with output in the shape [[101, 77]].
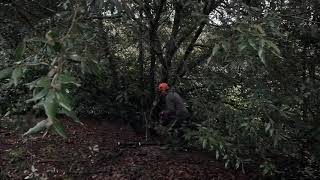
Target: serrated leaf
[[5, 73], [39, 96], [16, 75], [64, 101], [20, 50]]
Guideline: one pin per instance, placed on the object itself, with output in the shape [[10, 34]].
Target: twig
[[72, 24]]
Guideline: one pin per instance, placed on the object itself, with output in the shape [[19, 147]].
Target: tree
[[248, 68]]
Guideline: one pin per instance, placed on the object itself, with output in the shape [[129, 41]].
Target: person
[[176, 113]]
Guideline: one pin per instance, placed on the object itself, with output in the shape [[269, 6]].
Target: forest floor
[[92, 151]]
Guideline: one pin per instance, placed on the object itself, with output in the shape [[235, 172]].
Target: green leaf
[[64, 101], [58, 127], [39, 96], [217, 154], [261, 51], [243, 125], [237, 164], [7, 85], [51, 105], [278, 55], [67, 79], [214, 52], [226, 163], [5, 73], [261, 55], [51, 108], [75, 57], [20, 50], [268, 127], [43, 82], [39, 127], [39, 105], [274, 47], [252, 43], [215, 49], [204, 143], [72, 115], [16, 75], [242, 46], [260, 29], [225, 45]]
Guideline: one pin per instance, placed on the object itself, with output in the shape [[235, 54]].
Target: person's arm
[[170, 104]]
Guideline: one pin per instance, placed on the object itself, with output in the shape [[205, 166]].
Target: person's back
[[176, 105]]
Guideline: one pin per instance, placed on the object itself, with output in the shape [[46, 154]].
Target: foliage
[[249, 69]]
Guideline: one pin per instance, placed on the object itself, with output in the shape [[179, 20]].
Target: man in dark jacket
[[176, 112]]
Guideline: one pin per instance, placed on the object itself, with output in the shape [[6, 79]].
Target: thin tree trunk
[[108, 54]]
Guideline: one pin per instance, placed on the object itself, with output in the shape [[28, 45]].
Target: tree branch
[[208, 8]]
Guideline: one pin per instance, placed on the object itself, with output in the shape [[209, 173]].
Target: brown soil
[[93, 152]]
